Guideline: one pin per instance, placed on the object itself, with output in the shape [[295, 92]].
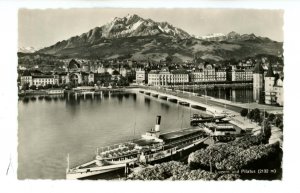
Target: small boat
[[155, 95], [184, 103], [196, 119]]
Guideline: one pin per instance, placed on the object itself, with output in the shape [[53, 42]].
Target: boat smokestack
[[157, 125]]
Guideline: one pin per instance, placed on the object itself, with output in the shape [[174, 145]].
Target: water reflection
[[55, 98], [126, 95], [48, 98], [73, 99], [133, 96], [25, 100], [72, 102], [233, 94], [165, 106], [105, 94], [147, 101], [33, 98], [120, 97], [41, 97], [98, 98]]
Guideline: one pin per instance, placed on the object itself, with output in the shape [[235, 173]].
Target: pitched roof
[[270, 72], [73, 64], [153, 72], [258, 69], [179, 71], [42, 76], [26, 73]]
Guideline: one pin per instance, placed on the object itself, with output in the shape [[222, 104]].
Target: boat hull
[[88, 172], [120, 162]]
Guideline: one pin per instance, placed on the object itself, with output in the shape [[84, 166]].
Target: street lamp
[[205, 95], [210, 152]]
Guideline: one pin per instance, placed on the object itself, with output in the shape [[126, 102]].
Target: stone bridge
[[183, 101]]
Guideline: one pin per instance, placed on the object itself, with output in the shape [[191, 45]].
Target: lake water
[[243, 95], [51, 129]]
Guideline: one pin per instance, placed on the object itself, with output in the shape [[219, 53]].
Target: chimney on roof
[[258, 69], [270, 72]]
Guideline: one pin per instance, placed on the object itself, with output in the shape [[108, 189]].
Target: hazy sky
[[41, 28]]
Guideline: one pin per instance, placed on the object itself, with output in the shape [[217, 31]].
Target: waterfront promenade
[[211, 101], [214, 106]]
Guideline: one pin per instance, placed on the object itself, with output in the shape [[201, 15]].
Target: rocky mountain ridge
[[133, 37]]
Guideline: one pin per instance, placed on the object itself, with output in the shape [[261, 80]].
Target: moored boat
[[55, 91], [152, 147], [196, 119], [184, 103]]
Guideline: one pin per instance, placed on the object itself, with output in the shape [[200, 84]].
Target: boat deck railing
[[185, 140], [191, 142], [118, 146], [119, 155]]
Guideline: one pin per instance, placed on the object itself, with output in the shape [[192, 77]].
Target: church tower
[[258, 86], [269, 86]]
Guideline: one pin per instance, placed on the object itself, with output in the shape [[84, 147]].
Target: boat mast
[[182, 118], [190, 110], [225, 100], [210, 165], [205, 95], [68, 163], [263, 125], [134, 127], [193, 87]]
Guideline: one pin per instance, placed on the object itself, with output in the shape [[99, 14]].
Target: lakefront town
[[205, 116]]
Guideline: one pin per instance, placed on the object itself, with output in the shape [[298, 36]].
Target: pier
[[76, 93]]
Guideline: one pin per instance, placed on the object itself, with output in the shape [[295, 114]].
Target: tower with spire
[[258, 85], [270, 95]]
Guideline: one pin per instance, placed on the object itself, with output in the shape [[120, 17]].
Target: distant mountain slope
[[233, 36], [136, 38], [27, 49]]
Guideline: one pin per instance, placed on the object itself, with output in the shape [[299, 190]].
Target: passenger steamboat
[[152, 147]]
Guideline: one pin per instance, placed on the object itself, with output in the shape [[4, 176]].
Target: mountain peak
[[234, 36], [130, 25], [133, 25], [126, 18], [134, 37], [212, 36], [129, 16], [233, 33]]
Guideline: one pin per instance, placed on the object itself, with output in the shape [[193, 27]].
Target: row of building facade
[[267, 88], [207, 73], [79, 74], [75, 73]]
